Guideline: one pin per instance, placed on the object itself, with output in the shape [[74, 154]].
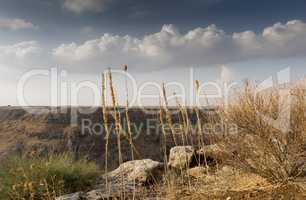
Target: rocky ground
[[181, 178]]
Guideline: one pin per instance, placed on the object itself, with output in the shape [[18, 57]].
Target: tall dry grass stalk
[[118, 128], [164, 136], [116, 116], [105, 124], [189, 133], [129, 125], [199, 125], [164, 140], [199, 121], [182, 121], [184, 134], [169, 115], [127, 114]]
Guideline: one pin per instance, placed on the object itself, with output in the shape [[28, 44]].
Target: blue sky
[[253, 39]]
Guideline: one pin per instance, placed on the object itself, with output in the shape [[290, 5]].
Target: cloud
[[20, 54], [198, 47], [80, 6], [15, 24]]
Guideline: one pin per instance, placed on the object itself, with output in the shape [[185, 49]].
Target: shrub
[[262, 147], [45, 178]]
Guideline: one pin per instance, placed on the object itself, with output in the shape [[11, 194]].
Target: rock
[[100, 195], [181, 156], [75, 196], [142, 171], [121, 181], [214, 153], [197, 172]]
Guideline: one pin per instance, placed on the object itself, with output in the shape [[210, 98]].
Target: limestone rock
[[142, 171], [121, 181], [214, 153], [181, 156]]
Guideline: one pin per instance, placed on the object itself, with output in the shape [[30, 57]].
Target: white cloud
[[286, 39], [80, 6], [198, 47], [20, 54], [285, 32], [15, 24]]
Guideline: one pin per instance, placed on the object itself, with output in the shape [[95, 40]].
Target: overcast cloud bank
[[199, 47]]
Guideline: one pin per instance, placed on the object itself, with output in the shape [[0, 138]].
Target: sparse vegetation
[[266, 157], [45, 178], [264, 147]]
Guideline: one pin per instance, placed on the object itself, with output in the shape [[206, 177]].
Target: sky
[[160, 41]]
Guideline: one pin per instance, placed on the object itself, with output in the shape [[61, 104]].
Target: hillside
[[34, 132]]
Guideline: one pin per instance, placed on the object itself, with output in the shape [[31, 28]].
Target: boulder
[[215, 153], [142, 171], [181, 156], [127, 178]]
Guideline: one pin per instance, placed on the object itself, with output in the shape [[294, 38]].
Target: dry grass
[[116, 116], [105, 124], [270, 163], [262, 147], [120, 132], [127, 117], [266, 157], [199, 123], [168, 114], [236, 185]]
